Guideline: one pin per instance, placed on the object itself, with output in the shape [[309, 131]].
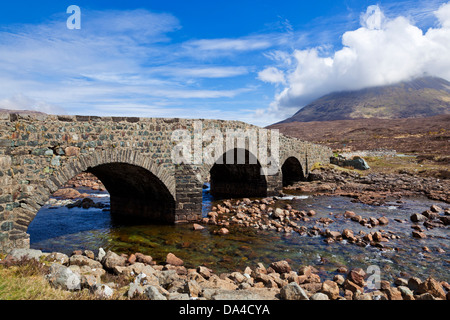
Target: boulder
[[393, 293], [152, 293], [19, 254], [79, 260], [103, 291], [146, 259], [414, 283], [223, 231], [417, 217], [58, 257], [204, 272], [197, 227], [112, 259], [174, 260], [420, 235], [436, 208], [62, 277], [383, 221], [407, 294], [135, 290], [319, 296], [352, 287], [331, 289], [192, 288], [433, 287], [254, 294], [166, 277], [101, 254], [357, 276], [281, 266], [293, 291]]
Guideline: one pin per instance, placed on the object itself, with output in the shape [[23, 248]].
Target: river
[[57, 228]]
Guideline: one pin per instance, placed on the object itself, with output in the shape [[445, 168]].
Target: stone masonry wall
[[39, 153]]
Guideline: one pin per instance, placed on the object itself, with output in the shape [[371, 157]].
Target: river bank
[[375, 188], [107, 275]]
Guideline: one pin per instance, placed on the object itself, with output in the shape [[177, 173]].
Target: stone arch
[[149, 177], [292, 171], [242, 178]]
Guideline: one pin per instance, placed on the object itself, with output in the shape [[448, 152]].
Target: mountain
[[20, 111], [421, 97]]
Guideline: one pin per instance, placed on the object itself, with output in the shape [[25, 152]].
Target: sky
[[253, 61]]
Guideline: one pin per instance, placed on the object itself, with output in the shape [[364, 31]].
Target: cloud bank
[[382, 51]]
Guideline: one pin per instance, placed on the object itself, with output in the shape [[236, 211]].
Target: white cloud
[[117, 56], [382, 51], [21, 102], [241, 44], [271, 75], [373, 18]]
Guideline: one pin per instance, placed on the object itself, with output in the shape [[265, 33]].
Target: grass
[[396, 165], [410, 165], [24, 280]]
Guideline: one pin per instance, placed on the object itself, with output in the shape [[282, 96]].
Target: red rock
[[342, 270], [353, 287], [204, 272], [435, 208], [198, 227], [393, 294], [311, 213], [174, 260], [419, 235], [433, 287], [417, 217], [357, 218], [72, 151], [331, 289], [131, 259], [383, 221], [143, 258], [347, 233], [377, 236], [67, 193], [349, 214], [223, 231], [281, 266], [357, 276], [414, 283]]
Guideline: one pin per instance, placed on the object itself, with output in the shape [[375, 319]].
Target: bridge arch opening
[[237, 179], [136, 194], [292, 171]]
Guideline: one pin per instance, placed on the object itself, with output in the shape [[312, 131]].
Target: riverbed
[[58, 228]]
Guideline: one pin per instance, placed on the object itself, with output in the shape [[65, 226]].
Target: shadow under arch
[[292, 171], [136, 194], [237, 179], [139, 189]]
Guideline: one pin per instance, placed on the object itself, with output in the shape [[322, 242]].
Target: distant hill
[[20, 111], [421, 97]]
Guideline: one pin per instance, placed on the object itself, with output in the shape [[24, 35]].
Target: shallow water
[[64, 230]]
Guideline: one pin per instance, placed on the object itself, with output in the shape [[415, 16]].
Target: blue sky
[[255, 61]]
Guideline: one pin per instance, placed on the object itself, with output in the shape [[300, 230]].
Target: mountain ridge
[[417, 98]]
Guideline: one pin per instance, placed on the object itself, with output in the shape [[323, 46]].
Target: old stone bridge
[[133, 157]]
